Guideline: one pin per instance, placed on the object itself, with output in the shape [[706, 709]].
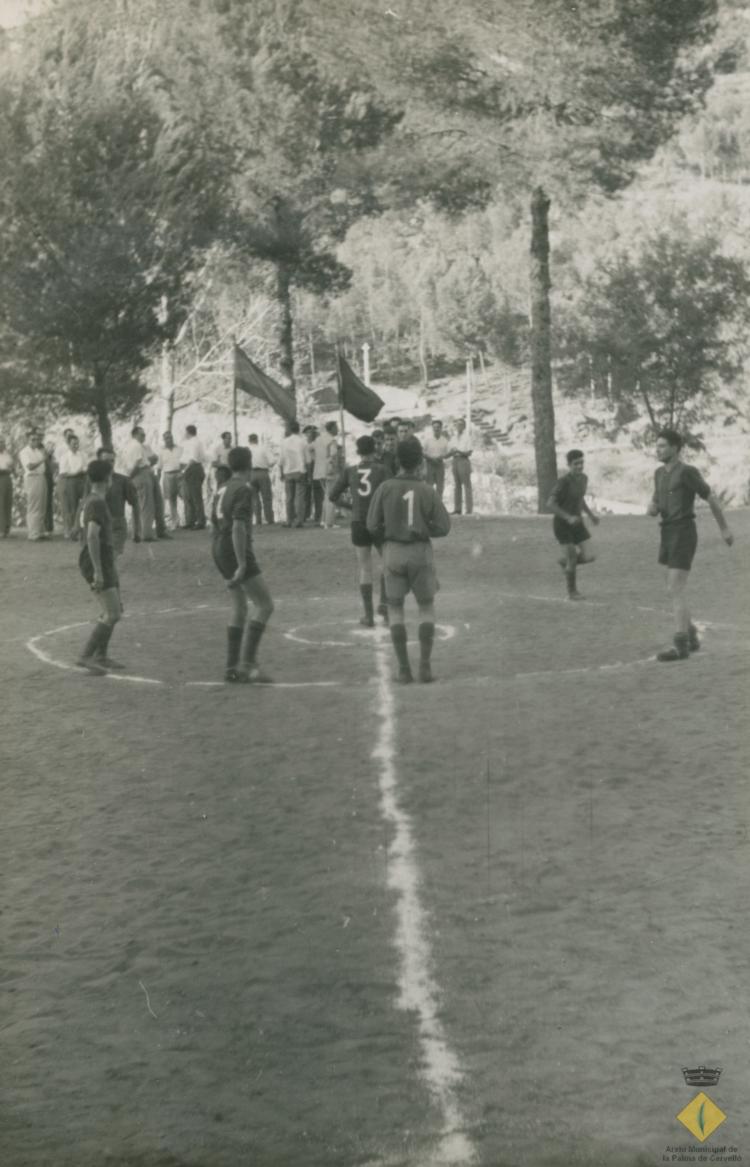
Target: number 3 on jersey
[[365, 486]]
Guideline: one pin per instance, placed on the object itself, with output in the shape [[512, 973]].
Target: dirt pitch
[[201, 913]]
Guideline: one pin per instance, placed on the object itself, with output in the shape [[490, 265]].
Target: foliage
[[107, 204], [660, 320]]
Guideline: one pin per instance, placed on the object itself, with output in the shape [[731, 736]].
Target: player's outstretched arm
[[718, 514]]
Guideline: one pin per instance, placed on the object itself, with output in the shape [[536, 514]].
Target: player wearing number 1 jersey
[[406, 514], [361, 481], [234, 557]]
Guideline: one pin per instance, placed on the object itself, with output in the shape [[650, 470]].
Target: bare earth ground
[[197, 935]]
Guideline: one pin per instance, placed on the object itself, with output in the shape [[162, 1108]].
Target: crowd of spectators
[[171, 487]]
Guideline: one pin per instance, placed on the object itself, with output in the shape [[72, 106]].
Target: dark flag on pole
[[252, 380], [356, 398]]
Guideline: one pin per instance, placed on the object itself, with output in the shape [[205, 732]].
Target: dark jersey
[[407, 510], [233, 504], [569, 492], [361, 481], [389, 463], [95, 510], [121, 491], [675, 488]]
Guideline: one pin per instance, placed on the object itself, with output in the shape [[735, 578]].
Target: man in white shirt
[[170, 473], [71, 479], [461, 449], [33, 458], [260, 481], [153, 465], [6, 490], [193, 477], [294, 459], [332, 467], [436, 449], [221, 450], [137, 465]]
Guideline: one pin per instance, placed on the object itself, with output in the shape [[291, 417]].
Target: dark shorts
[[409, 567], [361, 537], [569, 532], [109, 571], [226, 560], [678, 545]]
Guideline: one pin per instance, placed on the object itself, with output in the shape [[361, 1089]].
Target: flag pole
[[469, 379], [341, 404]]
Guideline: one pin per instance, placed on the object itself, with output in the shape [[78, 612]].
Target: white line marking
[[418, 990], [271, 685], [443, 632]]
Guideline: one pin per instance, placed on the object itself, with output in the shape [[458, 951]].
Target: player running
[[675, 487], [233, 555], [362, 481], [97, 564], [405, 513], [567, 502]]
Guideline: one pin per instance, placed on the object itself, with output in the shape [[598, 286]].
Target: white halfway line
[[271, 685], [418, 990]]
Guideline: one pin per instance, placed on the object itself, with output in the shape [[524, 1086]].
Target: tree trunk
[[422, 356], [541, 350], [286, 329], [101, 410], [167, 389]]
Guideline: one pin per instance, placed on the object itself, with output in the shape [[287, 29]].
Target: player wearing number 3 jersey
[[361, 482], [406, 514]]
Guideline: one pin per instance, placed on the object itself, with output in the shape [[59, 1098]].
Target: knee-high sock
[[253, 633], [426, 640], [398, 637], [366, 590], [234, 640]]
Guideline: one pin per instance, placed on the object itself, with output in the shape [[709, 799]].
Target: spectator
[[193, 476], [220, 454], [388, 456], [6, 490], [33, 459], [436, 449], [136, 466], [170, 475], [321, 463], [333, 467], [293, 463], [71, 482], [461, 450], [260, 481], [153, 465], [313, 501], [50, 472]]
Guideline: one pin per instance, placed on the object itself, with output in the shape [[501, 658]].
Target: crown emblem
[[701, 1076]]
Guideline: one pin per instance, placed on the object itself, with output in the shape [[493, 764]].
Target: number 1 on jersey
[[409, 500]]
